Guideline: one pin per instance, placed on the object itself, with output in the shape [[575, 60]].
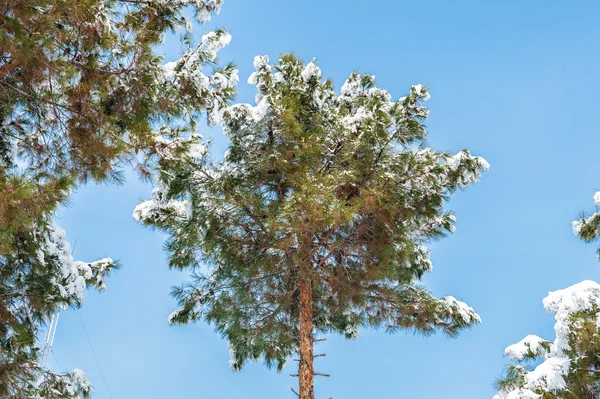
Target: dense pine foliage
[[316, 221], [82, 94]]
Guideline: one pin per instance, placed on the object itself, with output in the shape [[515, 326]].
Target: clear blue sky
[[515, 81]]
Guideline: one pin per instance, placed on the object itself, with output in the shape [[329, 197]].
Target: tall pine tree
[[316, 221], [83, 92]]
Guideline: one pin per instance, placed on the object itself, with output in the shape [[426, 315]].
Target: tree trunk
[[306, 371]]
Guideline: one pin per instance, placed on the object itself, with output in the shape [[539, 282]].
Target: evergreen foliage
[[566, 367], [316, 221], [38, 277], [82, 94], [588, 228]]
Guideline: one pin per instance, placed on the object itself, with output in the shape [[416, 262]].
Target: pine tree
[[83, 93], [567, 367], [36, 279], [82, 90], [316, 221]]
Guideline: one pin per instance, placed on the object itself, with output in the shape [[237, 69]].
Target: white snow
[[246, 118], [79, 377], [577, 225], [353, 121], [421, 92], [204, 8], [261, 61], [549, 375], [597, 198], [75, 383], [100, 267], [71, 278], [466, 312], [158, 206], [56, 249], [261, 65], [311, 72], [212, 42], [470, 167], [582, 296], [529, 344], [188, 72], [351, 86], [517, 394]]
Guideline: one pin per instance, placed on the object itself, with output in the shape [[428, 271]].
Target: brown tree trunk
[[306, 371]]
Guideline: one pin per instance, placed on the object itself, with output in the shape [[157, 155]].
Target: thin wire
[[74, 245], [94, 352], [56, 359]]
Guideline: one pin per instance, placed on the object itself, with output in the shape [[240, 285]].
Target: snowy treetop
[[574, 308], [346, 174]]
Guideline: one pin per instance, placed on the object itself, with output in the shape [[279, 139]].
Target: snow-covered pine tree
[[81, 82], [35, 280], [567, 367], [316, 221], [82, 93]]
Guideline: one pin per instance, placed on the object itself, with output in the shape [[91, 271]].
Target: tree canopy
[[324, 204], [83, 94]]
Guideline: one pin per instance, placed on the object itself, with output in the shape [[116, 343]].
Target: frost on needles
[[317, 220]]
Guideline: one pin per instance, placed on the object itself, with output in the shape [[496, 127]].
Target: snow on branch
[[572, 307]]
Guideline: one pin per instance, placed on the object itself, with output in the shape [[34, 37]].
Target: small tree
[[567, 367], [315, 222]]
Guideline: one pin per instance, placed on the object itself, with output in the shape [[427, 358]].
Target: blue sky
[[514, 81]]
